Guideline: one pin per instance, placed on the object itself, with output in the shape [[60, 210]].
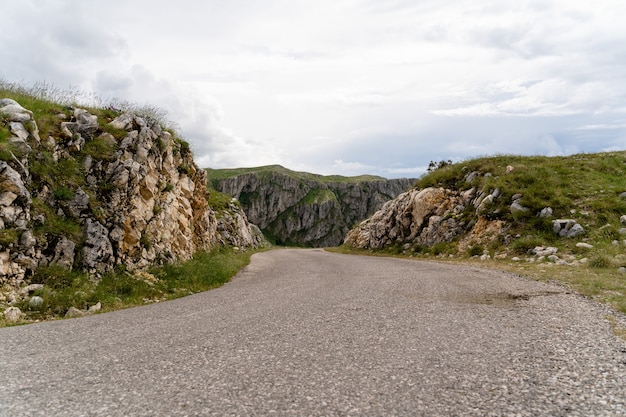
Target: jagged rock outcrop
[[100, 193], [234, 229], [426, 217], [306, 209]]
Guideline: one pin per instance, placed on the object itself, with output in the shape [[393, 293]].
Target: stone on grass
[[74, 312], [12, 314], [544, 251], [35, 302], [29, 289], [567, 228], [584, 245], [94, 308], [516, 207], [546, 212]]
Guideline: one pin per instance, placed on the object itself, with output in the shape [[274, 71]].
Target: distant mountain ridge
[[305, 209]]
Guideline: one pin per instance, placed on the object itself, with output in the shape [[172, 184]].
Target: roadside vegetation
[[122, 289]]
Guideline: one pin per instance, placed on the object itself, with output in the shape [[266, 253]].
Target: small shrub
[[475, 250], [57, 277], [63, 193], [441, 248], [185, 169], [524, 244], [100, 148], [8, 236], [600, 261]]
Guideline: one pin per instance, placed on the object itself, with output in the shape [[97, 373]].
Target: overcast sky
[[342, 86]]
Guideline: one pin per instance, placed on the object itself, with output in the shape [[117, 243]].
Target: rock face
[[100, 193], [306, 209], [426, 217]]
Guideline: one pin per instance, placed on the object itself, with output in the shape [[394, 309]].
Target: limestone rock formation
[[306, 209], [99, 193], [426, 217]]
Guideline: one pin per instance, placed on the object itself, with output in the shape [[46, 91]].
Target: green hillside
[[220, 174]]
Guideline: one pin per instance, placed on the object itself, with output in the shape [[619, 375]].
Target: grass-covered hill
[[216, 175], [591, 184]]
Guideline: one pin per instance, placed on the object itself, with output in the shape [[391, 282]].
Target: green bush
[[600, 261], [475, 250]]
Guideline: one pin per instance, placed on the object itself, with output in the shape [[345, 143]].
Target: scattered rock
[[471, 176], [567, 228], [622, 219], [29, 289], [584, 245], [13, 315], [35, 302], [621, 270], [546, 212], [95, 308], [74, 312], [516, 207], [544, 251]]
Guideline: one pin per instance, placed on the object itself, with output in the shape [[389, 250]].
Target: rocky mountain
[[96, 189], [510, 206], [298, 208]]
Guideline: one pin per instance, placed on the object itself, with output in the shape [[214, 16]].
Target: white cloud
[[390, 84]]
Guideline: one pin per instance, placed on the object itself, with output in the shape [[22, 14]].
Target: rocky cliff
[[425, 218], [92, 190], [510, 206], [298, 208]]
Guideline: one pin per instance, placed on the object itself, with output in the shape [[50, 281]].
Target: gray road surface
[[306, 332]]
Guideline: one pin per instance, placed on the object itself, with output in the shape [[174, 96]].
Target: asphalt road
[[306, 332]]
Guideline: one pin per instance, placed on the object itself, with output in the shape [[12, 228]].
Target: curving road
[[306, 332]]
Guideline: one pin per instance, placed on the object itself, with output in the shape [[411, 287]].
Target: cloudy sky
[[342, 86]]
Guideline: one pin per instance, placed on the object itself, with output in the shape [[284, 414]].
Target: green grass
[[219, 201], [318, 196], [589, 182], [120, 289]]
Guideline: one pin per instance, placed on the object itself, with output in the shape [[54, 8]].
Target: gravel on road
[[304, 332]]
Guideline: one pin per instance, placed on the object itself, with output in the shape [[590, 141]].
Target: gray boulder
[[516, 207], [567, 228], [546, 212], [35, 303], [11, 110], [64, 253], [74, 312], [98, 251]]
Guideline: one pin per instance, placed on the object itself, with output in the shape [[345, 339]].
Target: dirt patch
[[502, 299]]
